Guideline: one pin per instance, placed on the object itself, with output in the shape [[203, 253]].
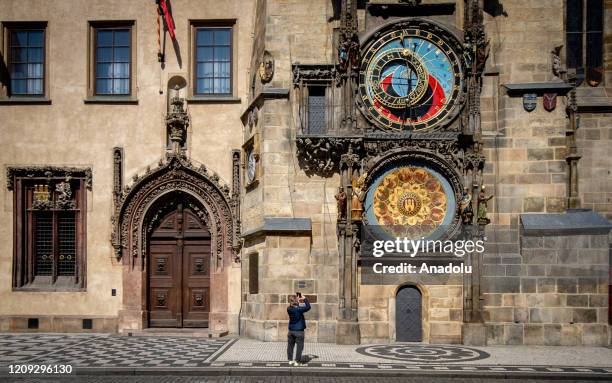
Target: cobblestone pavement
[[102, 353], [411, 353], [109, 351]]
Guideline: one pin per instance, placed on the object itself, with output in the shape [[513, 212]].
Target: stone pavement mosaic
[[96, 353], [109, 351], [19, 348], [423, 353], [250, 350]]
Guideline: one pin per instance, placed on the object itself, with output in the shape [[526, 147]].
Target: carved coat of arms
[[530, 101], [549, 101]]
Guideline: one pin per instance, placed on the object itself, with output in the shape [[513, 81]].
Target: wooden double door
[[179, 270]]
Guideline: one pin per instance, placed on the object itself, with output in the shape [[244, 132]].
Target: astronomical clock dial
[[410, 80], [251, 166], [410, 200]]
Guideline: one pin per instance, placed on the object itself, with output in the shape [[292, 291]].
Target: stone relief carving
[[176, 173], [557, 67], [320, 155], [312, 73], [64, 195], [42, 198], [48, 172], [117, 175]]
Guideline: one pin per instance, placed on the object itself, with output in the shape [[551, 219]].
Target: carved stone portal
[[175, 174], [139, 208]]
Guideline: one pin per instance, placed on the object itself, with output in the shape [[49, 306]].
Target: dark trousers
[[295, 338]]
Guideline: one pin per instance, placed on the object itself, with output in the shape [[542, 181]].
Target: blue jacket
[[296, 316]]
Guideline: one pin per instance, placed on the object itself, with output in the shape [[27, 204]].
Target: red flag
[[169, 23]]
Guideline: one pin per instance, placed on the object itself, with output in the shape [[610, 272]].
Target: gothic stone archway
[[135, 214]]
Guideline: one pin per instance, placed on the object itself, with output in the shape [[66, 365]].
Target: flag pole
[[160, 55]]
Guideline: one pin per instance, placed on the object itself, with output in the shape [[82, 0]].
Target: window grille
[[317, 106], [44, 245], [67, 245]]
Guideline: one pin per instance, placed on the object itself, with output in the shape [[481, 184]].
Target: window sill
[[49, 288], [214, 100], [111, 100], [44, 284], [25, 101]]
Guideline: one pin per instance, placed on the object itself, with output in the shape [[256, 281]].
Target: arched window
[[584, 39]]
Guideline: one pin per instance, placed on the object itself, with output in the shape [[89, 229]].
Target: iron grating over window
[[43, 245], [66, 264], [317, 105]]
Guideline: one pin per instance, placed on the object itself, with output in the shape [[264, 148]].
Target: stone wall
[[553, 292], [526, 168], [442, 313], [290, 263], [594, 140]]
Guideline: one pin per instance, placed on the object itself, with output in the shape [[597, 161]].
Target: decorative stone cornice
[[312, 73], [43, 171], [323, 155]]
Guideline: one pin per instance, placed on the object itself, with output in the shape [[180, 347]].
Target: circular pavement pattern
[[423, 353]]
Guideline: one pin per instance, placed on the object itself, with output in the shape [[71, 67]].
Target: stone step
[[177, 332]]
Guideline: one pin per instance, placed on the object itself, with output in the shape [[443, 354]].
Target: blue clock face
[[410, 79]]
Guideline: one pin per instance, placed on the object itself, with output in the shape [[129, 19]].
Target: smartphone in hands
[[300, 299]]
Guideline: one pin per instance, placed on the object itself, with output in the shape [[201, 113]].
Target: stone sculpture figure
[[341, 201], [482, 207], [556, 61], [358, 191], [465, 207]]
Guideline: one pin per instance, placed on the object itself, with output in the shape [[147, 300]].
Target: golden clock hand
[[402, 38]]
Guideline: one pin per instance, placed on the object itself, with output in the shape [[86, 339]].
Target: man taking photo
[[298, 305]]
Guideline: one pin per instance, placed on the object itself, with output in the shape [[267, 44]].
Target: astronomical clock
[[410, 79], [411, 83]]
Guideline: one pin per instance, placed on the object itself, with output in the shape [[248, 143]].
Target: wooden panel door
[[165, 284], [179, 271], [196, 283]]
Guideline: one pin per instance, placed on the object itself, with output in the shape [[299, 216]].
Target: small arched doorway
[[179, 256], [408, 318]]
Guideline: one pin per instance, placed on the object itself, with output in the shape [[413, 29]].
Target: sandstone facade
[[535, 287]]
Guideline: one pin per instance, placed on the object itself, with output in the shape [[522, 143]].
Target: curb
[[312, 371]]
